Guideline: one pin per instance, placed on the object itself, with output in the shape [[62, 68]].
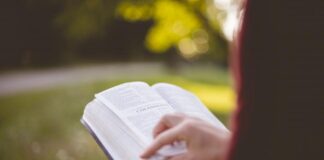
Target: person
[[277, 64]]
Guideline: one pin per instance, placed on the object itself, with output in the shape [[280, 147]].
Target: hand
[[204, 141]]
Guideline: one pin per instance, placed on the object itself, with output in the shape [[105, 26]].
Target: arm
[[203, 140]]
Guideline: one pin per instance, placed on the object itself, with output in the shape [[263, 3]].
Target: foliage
[[40, 33], [181, 24], [173, 22], [85, 18]]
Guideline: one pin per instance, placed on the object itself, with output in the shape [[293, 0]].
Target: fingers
[[169, 129], [167, 121], [162, 139], [179, 157]]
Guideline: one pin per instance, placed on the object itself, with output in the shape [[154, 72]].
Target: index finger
[[164, 138], [167, 121]]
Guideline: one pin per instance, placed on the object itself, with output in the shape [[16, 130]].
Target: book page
[[186, 102], [116, 139], [138, 105]]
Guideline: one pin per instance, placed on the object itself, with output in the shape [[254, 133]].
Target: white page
[[138, 105], [111, 132], [186, 102]]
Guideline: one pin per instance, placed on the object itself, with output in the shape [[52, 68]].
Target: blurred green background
[[55, 55]]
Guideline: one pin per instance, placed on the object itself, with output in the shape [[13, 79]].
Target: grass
[[45, 124]]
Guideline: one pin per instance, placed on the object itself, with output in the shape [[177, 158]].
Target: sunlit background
[[56, 54]]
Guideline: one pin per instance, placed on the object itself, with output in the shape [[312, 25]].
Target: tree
[[185, 25]]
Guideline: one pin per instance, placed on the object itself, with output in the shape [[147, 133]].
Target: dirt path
[[13, 83]]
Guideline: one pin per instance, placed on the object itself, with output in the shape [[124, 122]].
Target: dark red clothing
[[280, 81]]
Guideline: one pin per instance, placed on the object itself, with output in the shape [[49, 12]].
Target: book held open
[[122, 118]]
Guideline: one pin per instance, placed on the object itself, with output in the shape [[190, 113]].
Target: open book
[[121, 119]]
